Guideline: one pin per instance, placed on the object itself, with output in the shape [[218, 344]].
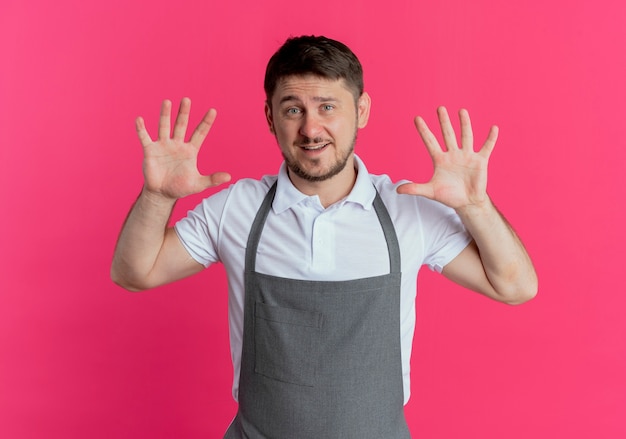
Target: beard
[[333, 170]]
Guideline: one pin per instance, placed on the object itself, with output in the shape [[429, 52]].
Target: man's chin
[[317, 172]]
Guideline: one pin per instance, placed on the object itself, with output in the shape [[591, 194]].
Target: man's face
[[315, 121]]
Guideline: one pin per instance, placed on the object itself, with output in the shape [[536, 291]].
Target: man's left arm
[[496, 263]]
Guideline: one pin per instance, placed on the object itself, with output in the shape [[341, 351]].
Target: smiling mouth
[[314, 147]]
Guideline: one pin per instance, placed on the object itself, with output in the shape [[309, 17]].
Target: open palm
[[460, 173], [170, 164]]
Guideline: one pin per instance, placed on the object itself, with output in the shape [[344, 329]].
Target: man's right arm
[[148, 252]]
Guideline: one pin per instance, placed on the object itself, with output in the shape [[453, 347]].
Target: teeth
[[313, 148]]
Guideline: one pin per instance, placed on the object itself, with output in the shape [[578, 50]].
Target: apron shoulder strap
[[393, 246], [257, 228]]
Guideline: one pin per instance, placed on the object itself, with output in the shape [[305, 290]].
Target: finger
[[429, 139], [182, 119], [421, 189], [490, 143], [467, 136], [164, 121], [144, 137], [449, 136], [203, 128]]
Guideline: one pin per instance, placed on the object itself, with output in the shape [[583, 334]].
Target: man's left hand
[[460, 173]]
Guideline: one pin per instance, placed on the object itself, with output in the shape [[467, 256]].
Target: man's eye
[[328, 107], [293, 110]]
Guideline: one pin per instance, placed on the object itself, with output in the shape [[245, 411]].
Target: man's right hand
[[170, 164], [148, 252]]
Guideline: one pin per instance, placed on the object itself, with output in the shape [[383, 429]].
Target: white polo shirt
[[302, 240]]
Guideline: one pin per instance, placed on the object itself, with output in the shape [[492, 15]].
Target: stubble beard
[[335, 169]]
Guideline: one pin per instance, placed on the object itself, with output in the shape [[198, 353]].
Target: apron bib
[[321, 359]]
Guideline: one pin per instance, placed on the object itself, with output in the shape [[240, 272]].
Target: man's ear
[[269, 118], [363, 109]]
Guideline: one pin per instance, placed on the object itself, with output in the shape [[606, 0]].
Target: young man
[[322, 259]]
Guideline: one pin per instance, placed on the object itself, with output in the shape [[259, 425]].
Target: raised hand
[[170, 164], [460, 173]]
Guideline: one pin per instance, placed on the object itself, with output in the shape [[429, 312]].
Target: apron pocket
[[287, 343]]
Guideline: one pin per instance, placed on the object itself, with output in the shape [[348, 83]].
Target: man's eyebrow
[[293, 98]]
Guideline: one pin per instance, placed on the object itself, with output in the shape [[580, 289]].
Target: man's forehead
[[309, 86]]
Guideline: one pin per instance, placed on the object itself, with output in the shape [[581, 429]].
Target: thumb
[[215, 179], [421, 189]]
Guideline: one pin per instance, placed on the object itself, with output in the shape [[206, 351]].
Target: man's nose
[[311, 126]]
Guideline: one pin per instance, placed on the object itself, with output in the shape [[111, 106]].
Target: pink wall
[[81, 358]]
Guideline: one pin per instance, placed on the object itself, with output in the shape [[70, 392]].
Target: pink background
[[81, 358]]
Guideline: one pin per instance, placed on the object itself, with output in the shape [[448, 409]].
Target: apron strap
[[395, 265], [257, 228]]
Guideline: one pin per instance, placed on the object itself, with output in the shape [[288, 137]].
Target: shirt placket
[[323, 243]]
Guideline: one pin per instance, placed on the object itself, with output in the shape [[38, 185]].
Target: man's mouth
[[314, 147]]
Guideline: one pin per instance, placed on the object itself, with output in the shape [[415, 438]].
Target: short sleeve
[[199, 230], [444, 235]]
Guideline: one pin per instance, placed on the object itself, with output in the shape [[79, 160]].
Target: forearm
[[507, 265], [141, 240]]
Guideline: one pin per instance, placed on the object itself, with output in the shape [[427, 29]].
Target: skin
[[148, 253], [315, 122], [496, 263]]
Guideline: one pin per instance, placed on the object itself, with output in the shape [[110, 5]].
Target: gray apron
[[321, 359]]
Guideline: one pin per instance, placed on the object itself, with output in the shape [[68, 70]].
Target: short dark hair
[[314, 55]]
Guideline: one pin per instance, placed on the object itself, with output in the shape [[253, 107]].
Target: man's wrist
[[157, 199], [477, 211]]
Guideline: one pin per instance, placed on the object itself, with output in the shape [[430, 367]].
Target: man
[[322, 259]]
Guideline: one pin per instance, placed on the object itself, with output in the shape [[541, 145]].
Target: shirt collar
[[287, 195], [363, 192]]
